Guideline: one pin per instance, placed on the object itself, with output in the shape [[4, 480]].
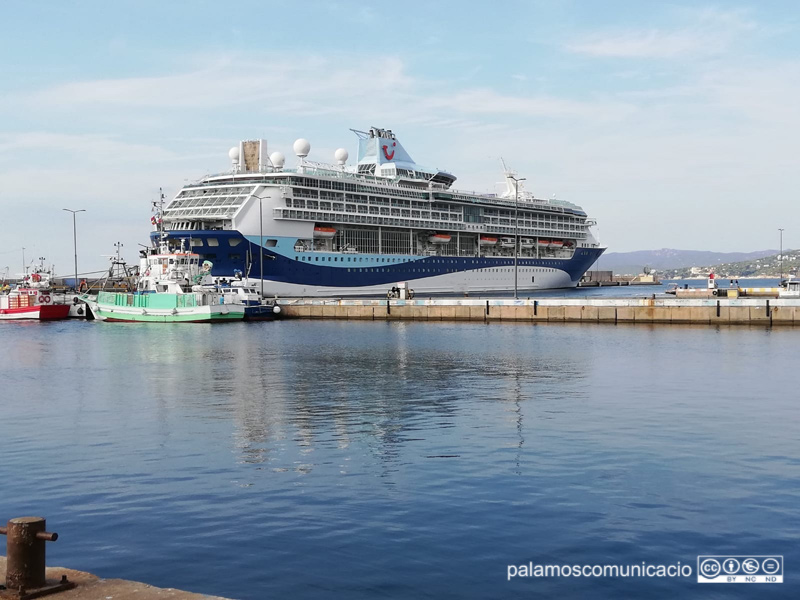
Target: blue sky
[[674, 124]]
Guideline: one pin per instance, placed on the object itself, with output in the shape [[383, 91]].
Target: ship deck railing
[[474, 197]]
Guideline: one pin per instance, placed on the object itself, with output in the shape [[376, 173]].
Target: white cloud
[[708, 32], [373, 88], [92, 148], [482, 101], [300, 84], [642, 44]]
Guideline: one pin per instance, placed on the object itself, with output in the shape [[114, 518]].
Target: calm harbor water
[[324, 459]]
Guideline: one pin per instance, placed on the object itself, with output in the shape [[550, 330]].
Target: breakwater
[[554, 310]]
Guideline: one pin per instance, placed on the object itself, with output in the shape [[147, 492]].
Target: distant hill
[[632, 263], [762, 267]]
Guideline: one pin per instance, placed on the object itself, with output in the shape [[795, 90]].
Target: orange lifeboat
[[325, 233], [439, 238], [487, 240]]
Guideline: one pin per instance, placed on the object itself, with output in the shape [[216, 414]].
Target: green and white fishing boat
[[173, 287]]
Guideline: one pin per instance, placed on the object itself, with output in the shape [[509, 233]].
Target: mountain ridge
[[632, 263]]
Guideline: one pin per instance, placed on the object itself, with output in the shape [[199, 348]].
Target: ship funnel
[[252, 156]]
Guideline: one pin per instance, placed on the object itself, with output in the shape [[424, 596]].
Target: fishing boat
[[29, 303], [33, 298], [790, 288], [173, 287], [247, 294]]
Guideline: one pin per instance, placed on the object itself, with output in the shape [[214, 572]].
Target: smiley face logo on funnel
[[386, 153]]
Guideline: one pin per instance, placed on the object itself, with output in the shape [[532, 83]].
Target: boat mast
[[161, 233]]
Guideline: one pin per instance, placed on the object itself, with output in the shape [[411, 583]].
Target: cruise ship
[[338, 229]]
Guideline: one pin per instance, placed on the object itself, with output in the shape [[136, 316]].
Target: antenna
[[362, 135], [161, 213]]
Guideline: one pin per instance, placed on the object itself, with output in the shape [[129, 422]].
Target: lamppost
[[780, 256], [75, 240], [261, 241], [516, 228]]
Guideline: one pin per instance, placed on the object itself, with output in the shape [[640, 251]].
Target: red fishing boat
[[30, 303]]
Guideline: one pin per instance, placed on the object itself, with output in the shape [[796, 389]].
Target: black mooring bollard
[[25, 552], [25, 559]]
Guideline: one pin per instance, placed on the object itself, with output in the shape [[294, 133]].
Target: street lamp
[[780, 256], [516, 228], [75, 240], [261, 241]]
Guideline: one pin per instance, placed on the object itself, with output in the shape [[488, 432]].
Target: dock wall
[[553, 310]]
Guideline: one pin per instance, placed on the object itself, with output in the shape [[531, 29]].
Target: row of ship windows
[[283, 213], [216, 191], [212, 201], [213, 256], [353, 187], [201, 212], [397, 260], [543, 204], [420, 209], [324, 184], [543, 221], [215, 242], [494, 270], [438, 271]]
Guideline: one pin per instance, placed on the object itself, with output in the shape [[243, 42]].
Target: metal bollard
[[25, 554]]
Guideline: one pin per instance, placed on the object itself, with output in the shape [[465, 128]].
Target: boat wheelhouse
[[338, 229]]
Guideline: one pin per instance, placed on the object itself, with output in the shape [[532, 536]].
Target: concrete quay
[[90, 587], [704, 311]]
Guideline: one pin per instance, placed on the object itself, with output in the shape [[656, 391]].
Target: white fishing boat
[[173, 287]]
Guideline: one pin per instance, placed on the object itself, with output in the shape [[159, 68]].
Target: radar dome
[[301, 147], [277, 159], [341, 156], [233, 153]]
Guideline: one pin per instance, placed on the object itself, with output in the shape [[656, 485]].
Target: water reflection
[[333, 387]]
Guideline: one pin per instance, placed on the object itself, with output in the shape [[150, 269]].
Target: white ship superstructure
[[342, 230]]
